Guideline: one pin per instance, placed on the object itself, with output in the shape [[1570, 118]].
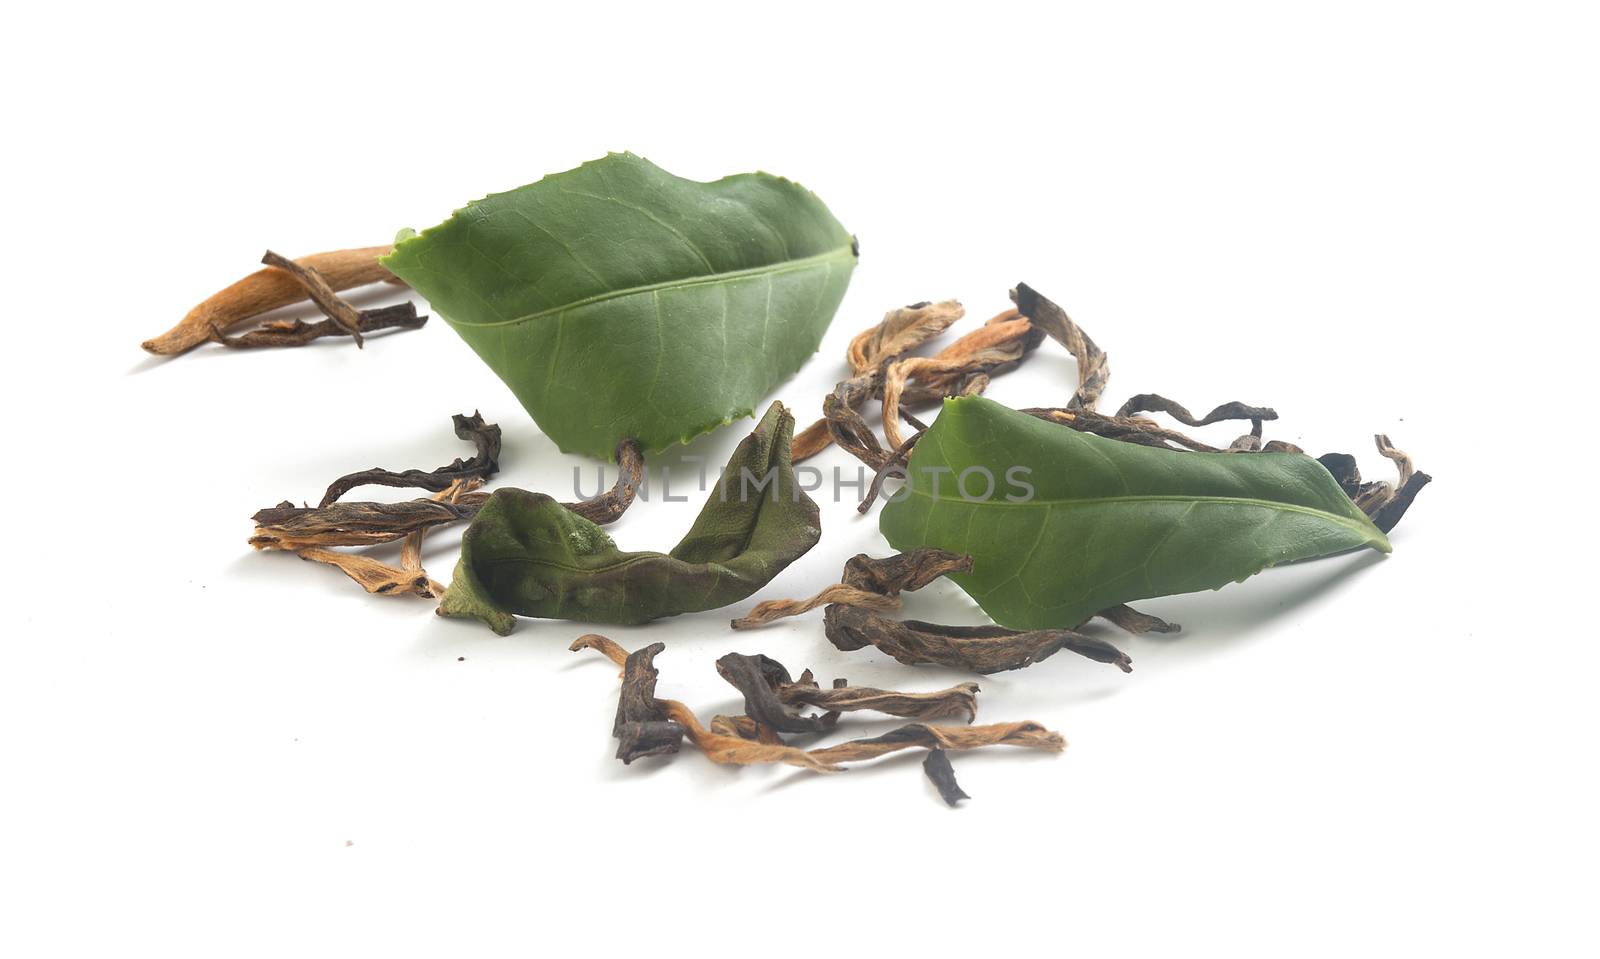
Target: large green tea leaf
[[527, 554], [1075, 523], [619, 301]]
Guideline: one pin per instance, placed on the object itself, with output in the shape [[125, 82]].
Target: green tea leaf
[[619, 301], [527, 554], [1076, 523]]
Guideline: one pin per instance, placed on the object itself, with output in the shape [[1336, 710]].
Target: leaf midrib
[[786, 266], [1344, 521]]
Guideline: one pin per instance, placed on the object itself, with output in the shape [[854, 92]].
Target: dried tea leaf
[[641, 726], [618, 301], [1127, 618], [853, 625], [526, 554], [958, 702], [937, 766], [900, 331], [1029, 735], [758, 679], [266, 290], [746, 741], [286, 333], [979, 649], [1093, 368], [334, 307], [484, 436], [868, 583], [1100, 523], [287, 526]]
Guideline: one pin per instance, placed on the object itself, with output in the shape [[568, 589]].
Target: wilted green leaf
[[1106, 522], [527, 554], [619, 301]]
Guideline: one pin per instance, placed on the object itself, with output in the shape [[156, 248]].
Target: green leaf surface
[[619, 301], [527, 554], [1106, 522]]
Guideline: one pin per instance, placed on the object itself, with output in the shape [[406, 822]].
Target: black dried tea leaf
[[1156, 403], [937, 766], [641, 726], [484, 436], [979, 649], [758, 679]]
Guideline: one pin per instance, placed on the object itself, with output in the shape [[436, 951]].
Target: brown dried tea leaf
[[287, 333], [1127, 618], [901, 330], [484, 436], [266, 290], [869, 583], [291, 527], [1029, 735], [963, 367], [957, 702], [1093, 367], [330, 303], [378, 578], [743, 727], [642, 727], [980, 649], [735, 751], [409, 578], [939, 772], [775, 609]]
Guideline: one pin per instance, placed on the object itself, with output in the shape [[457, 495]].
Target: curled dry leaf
[[266, 290], [758, 678], [978, 649], [770, 694], [285, 333], [642, 727], [957, 702], [962, 368], [1093, 367], [484, 436], [347, 317]]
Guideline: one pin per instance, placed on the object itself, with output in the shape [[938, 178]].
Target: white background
[[1374, 217]]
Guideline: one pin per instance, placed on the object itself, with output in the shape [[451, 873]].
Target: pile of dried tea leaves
[[648, 726], [1097, 509]]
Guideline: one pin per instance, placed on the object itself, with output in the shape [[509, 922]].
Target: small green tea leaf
[[618, 301], [1075, 523], [527, 554]]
